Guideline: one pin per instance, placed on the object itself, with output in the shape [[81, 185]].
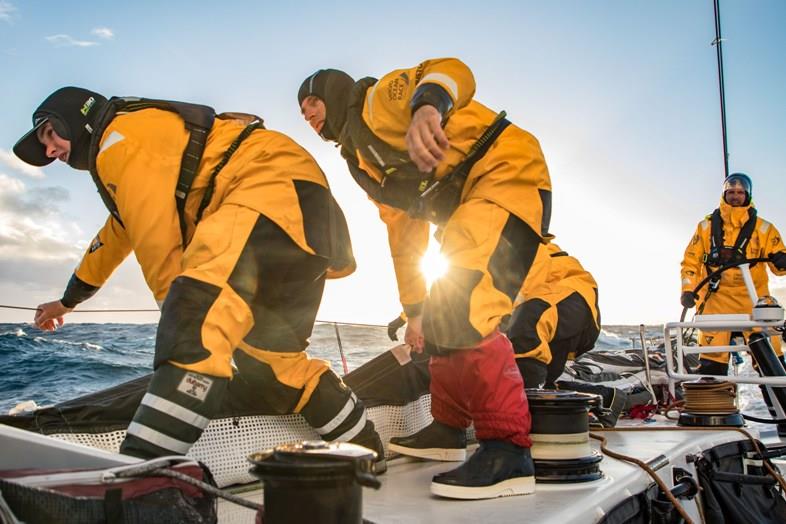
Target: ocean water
[[77, 359]]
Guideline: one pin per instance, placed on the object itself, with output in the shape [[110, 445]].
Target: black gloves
[[395, 325], [687, 299], [779, 260]]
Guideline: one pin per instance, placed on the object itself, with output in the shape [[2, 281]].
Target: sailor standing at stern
[[235, 230], [424, 150], [733, 232]]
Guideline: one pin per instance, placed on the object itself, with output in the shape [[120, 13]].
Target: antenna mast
[[717, 43]]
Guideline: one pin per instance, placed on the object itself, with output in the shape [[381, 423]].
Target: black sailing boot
[[369, 438], [613, 403], [434, 442], [496, 469]]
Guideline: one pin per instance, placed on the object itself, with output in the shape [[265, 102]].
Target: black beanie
[[332, 87], [72, 111]]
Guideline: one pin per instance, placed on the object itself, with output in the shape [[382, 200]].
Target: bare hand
[[426, 141], [414, 333], [49, 316]]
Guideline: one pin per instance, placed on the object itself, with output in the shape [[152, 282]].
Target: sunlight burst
[[433, 264]]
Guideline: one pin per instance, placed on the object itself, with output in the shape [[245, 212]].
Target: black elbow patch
[[432, 95], [513, 256], [324, 225]]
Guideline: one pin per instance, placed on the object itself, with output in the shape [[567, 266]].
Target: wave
[[77, 359]]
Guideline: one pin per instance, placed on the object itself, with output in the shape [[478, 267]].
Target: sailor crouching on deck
[[424, 150], [235, 229], [557, 316]]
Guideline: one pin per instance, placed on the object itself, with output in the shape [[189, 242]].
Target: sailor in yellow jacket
[[235, 230], [556, 317], [424, 150], [734, 231]]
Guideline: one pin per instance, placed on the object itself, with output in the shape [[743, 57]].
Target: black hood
[[332, 87], [72, 112]]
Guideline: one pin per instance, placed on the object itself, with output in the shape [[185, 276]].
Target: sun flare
[[433, 264]]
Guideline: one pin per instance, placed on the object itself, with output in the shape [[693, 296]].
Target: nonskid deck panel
[[405, 497]]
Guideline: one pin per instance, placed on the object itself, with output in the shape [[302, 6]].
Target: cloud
[[7, 10], [63, 40], [103, 32], [31, 226], [10, 160]]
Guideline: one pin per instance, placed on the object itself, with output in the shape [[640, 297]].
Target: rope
[[710, 397], [208, 488], [651, 472], [87, 310], [152, 470], [773, 473], [355, 324]]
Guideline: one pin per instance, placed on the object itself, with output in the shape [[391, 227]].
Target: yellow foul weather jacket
[[731, 296], [138, 162], [512, 174]]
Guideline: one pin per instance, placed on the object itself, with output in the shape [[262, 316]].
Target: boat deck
[[405, 498]]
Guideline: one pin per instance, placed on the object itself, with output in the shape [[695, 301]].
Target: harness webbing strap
[[716, 258], [189, 166], [227, 155], [449, 187], [717, 241], [198, 120]]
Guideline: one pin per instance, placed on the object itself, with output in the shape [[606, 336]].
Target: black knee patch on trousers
[[523, 332], [333, 407], [179, 335], [710, 367], [255, 390], [533, 372]]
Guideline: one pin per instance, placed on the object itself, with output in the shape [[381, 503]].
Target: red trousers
[[481, 385]]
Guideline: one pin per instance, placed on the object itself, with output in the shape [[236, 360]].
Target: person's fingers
[[417, 150], [440, 138], [426, 140]]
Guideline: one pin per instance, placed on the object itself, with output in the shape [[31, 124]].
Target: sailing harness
[[198, 120], [721, 254], [403, 186]]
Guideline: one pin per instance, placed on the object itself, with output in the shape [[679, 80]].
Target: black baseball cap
[[72, 112]]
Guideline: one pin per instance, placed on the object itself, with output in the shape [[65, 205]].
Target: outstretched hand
[[426, 140], [49, 316]]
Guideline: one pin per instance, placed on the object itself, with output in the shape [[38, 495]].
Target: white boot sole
[[506, 488], [441, 454]]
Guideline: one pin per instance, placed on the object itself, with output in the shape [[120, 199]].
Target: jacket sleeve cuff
[[413, 310], [432, 95], [76, 292]]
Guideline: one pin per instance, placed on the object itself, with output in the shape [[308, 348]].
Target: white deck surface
[[404, 496]]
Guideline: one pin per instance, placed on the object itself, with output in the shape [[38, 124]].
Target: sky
[[622, 96]]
